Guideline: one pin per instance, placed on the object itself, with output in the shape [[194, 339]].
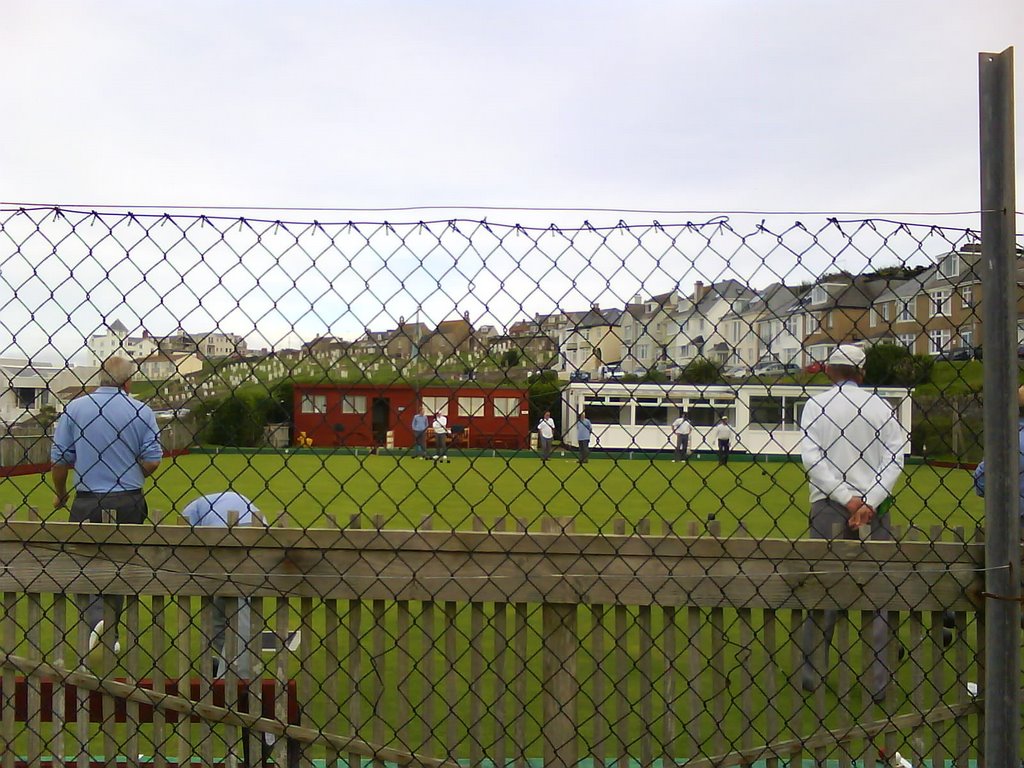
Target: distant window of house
[[938, 341], [883, 311], [471, 406], [819, 295], [907, 311], [643, 351], [950, 265], [314, 403], [967, 297], [908, 340], [793, 325], [26, 397], [873, 318], [353, 404], [434, 405], [966, 338], [939, 303], [506, 406]]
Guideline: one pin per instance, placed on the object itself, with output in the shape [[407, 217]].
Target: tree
[[510, 359], [235, 421], [893, 365], [544, 392], [700, 370]]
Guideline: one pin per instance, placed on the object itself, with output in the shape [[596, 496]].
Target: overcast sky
[[671, 105], [711, 106]]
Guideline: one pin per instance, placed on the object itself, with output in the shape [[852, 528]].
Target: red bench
[[268, 693]]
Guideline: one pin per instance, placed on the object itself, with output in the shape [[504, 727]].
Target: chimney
[[698, 290], [595, 307], [465, 315]]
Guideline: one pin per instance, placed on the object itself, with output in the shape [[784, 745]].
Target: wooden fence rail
[[493, 645]]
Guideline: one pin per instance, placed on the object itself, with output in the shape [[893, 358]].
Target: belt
[[105, 494]]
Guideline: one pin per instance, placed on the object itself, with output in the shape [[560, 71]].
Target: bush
[[701, 371], [544, 392], [232, 421], [892, 365]]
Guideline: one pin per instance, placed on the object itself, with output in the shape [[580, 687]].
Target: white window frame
[[313, 403], [506, 406], [967, 338], [353, 403], [939, 340], [471, 405], [950, 265], [883, 311], [793, 326], [939, 302], [818, 295], [967, 297], [907, 310], [908, 340], [435, 404]]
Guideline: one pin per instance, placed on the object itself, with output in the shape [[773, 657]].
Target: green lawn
[[769, 499]]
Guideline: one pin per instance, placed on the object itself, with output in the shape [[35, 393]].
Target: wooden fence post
[[560, 684]]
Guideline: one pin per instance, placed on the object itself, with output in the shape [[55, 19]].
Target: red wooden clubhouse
[[363, 414]]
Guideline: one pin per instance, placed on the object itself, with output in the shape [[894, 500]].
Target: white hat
[[847, 354]]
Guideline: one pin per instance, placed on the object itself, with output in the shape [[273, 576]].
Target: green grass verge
[[769, 499]]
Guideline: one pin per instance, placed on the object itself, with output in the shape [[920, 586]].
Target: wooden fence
[[24, 449], [497, 646]]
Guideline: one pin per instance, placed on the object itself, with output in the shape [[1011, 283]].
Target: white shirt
[[724, 432], [681, 426], [441, 424], [852, 445], [546, 428]]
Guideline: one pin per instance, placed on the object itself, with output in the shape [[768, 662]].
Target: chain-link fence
[[433, 492]]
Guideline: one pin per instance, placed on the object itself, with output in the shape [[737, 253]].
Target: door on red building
[[381, 420]]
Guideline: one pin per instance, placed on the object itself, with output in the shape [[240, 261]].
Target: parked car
[[962, 353], [736, 371], [579, 376], [816, 367], [775, 369], [612, 372]]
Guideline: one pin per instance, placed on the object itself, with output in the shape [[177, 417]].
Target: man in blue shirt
[[112, 442], [419, 434], [584, 430], [222, 510], [979, 472]]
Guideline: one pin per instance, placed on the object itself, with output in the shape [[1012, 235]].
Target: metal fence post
[[1002, 523]]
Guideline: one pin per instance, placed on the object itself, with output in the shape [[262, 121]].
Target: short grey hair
[[116, 371]]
